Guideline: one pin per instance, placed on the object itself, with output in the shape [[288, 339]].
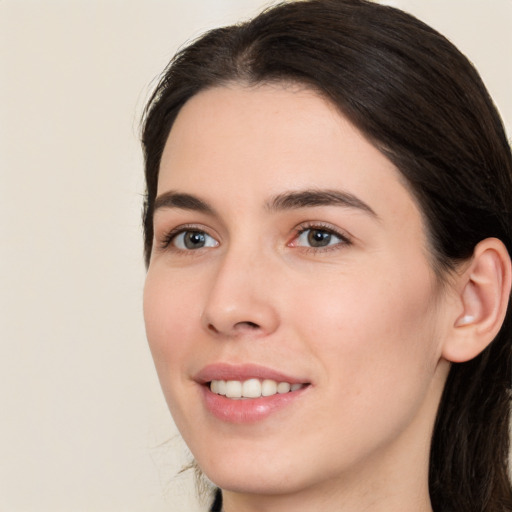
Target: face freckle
[[355, 317]]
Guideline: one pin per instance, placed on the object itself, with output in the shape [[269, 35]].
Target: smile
[[248, 393], [252, 388]]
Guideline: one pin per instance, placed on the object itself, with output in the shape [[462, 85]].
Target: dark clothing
[[217, 502]]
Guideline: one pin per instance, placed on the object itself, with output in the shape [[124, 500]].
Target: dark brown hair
[[421, 102]]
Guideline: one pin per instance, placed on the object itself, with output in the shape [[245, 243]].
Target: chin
[[250, 474], [258, 481]]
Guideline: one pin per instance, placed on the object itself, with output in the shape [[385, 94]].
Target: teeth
[[252, 388], [221, 387], [283, 387], [268, 387], [233, 389]]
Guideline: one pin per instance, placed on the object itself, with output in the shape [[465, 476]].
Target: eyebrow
[[182, 201], [309, 198], [293, 200]]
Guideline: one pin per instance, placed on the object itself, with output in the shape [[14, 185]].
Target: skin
[[364, 321]]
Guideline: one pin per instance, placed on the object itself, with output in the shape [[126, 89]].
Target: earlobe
[[484, 294]]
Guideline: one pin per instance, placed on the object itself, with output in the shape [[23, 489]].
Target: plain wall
[[83, 425]]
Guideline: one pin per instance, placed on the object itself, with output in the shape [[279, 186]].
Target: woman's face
[[287, 250]]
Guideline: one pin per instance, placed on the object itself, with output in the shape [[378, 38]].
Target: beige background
[[83, 424]]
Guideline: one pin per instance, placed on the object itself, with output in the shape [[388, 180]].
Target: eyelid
[[165, 240], [345, 238]]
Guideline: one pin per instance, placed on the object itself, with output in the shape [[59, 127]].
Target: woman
[[327, 229]]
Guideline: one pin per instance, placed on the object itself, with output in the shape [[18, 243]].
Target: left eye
[[316, 237], [190, 240]]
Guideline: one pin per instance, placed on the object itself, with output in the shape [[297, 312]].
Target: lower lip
[[248, 410]]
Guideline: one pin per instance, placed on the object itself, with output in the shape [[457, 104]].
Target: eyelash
[[345, 240], [168, 238]]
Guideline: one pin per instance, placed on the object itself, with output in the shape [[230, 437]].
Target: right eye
[[189, 240]]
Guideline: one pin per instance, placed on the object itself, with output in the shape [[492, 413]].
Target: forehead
[[261, 141]]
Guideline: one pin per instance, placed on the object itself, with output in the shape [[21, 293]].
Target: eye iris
[[318, 238], [194, 240]]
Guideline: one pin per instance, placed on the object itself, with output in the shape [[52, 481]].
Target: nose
[[241, 300]]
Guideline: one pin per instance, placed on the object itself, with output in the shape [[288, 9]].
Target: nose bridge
[[240, 295]]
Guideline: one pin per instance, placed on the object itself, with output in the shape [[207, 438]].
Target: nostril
[[212, 328], [250, 325], [238, 327]]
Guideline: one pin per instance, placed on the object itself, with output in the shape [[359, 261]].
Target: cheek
[[371, 333], [171, 317], [378, 357], [168, 319]]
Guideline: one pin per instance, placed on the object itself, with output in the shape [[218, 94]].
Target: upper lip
[[242, 372]]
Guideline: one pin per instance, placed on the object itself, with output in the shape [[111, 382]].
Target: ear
[[484, 290]]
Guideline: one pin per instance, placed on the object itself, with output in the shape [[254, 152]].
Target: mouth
[[248, 393]]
